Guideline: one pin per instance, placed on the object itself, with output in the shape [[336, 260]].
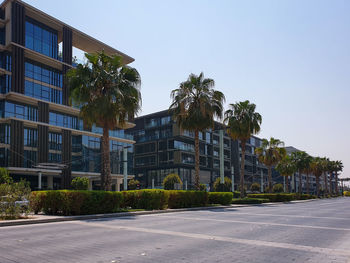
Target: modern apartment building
[[162, 148], [42, 138]]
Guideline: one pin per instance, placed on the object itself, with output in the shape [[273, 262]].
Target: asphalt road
[[316, 231]]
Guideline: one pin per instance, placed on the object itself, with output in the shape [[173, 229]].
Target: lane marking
[[257, 223], [338, 252]]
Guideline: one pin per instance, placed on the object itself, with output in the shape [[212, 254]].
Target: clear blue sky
[[291, 57]]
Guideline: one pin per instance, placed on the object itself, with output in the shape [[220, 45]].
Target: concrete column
[[186, 185], [153, 183], [262, 181], [119, 181], [50, 181], [39, 180], [90, 184]]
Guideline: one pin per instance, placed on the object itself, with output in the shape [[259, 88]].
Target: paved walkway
[[317, 231]]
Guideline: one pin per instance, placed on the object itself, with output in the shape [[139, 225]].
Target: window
[[183, 146], [76, 143], [29, 158], [41, 38], [64, 120], [150, 123], [5, 60], [145, 161], [2, 36], [55, 141], [5, 83], [165, 120], [43, 73], [42, 92], [5, 133], [145, 148], [19, 111], [55, 158], [30, 137], [187, 158]]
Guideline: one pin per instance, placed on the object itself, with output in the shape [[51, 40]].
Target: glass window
[[30, 137]]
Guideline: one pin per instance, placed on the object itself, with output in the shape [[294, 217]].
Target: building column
[[39, 180], [50, 182], [90, 184], [119, 181]]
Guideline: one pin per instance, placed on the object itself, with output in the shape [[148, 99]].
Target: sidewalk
[[40, 219]]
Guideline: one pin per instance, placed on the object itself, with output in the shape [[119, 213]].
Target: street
[[315, 231]]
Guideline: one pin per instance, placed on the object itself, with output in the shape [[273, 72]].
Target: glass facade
[[5, 83], [42, 92], [30, 137], [29, 158], [55, 141], [2, 36], [64, 120], [41, 38], [5, 60], [10, 109], [43, 73], [5, 133]]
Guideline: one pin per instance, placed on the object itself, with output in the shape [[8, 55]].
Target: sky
[[291, 58]]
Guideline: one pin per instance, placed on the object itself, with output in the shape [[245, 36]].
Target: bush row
[[223, 198], [282, 197], [346, 193], [75, 202]]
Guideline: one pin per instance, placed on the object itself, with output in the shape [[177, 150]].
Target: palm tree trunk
[[287, 188], [196, 146], [336, 184], [243, 142], [106, 180], [300, 182], [270, 178], [318, 186], [307, 183], [330, 183], [325, 184]]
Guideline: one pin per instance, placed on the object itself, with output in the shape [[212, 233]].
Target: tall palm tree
[[330, 169], [317, 168], [286, 167], [243, 122], [270, 153], [307, 170], [194, 106], [325, 162], [338, 168], [299, 158], [107, 94]]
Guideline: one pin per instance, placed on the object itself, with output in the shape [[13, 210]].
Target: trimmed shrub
[[346, 193], [223, 198], [183, 199], [170, 181], [202, 187], [74, 202], [132, 184], [149, 199], [80, 183], [275, 197], [248, 200], [255, 187], [236, 194], [226, 187], [278, 188]]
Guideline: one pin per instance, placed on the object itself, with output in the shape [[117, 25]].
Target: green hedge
[[282, 197], [223, 198], [248, 200], [183, 199], [146, 199], [72, 202]]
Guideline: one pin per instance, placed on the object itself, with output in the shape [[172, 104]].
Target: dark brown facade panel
[[43, 112], [17, 80], [18, 23], [67, 45], [43, 144], [65, 88], [17, 144], [66, 158]]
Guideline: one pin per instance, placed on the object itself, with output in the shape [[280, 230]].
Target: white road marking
[[312, 249], [257, 223]]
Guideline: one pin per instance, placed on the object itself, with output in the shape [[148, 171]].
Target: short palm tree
[[300, 158], [317, 168], [286, 167], [338, 168], [270, 153], [243, 122], [194, 106], [107, 94]]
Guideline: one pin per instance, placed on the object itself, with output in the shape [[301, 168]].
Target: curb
[[124, 214]]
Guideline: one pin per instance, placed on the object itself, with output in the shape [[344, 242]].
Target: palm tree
[[307, 169], [299, 158], [325, 162], [338, 168], [194, 106], [107, 93], [270, 153], [243, 122], [286, 167], [317, 168], [330, 169]]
